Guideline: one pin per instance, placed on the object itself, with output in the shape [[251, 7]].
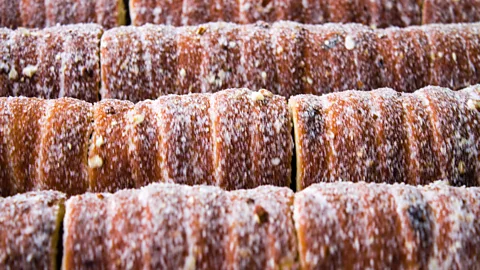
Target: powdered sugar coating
[[29, 230], [259, 121], [55, 62], [63, 146], [379, 13], [40, 14], [286, 58], [346, 225], [186, 145], [359, 225], [454, 136], [403, 58], [455, 233], [450, 65], [110, 166], [386, 136], [44, 145], [438, 11], [234, 139], [21, 127], [175, 226]]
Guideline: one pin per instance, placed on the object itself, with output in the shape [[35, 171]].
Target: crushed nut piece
[[69, 146], [309, 80], [275, 161], [138, 118], [29, 71], [264, 75], [261, 215], [99, 141], [454, 57], [257, 96], [265, 92], [349, 42], [183, 73], [473, 104], [279, 49], [461, 167], [95, 162], [13, 75], [201, 30]]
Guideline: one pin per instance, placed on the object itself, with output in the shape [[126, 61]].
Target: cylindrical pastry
[[378, 226], [61, 61], [234, 139], [386, 136], [192, 139], [403, 58], [44, 145], [40, 14], [30, 226], [450, 64], [378, 13], [164, 226], [286, 58]]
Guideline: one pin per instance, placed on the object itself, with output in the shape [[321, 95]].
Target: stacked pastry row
[[240, 139], [233, 139], [326, 226], [50, 63], [110, 13], [45, 13], [377, 13], [386, 136], [139, 63], [286, 58]]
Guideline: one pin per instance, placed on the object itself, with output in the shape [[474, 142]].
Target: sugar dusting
[[387, 136], [178, 226], [287, 58], [360, 225]]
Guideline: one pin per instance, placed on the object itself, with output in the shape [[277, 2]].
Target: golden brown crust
[[453, 140], [379, 13], [456, 241], [230, 116], [145, 138], [74, 146], [449, 64], [386, 136], [346, 225], [84, 246], [390, 135], [63, 146], [189, 60], [352, 146], [23, 138], [359, 225], [29, 226], [257, 57], [296, 59], [186, 146], [288, 43], [52, 63], [403, 58], [166, 226], [110, 167]]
